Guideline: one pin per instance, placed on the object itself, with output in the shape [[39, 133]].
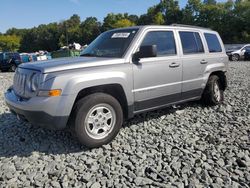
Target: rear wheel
[[213, 93], [98, 119]]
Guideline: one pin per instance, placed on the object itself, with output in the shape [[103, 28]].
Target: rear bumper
[[39, 111]]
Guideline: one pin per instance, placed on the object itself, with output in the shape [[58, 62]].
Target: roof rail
[[192, 26]]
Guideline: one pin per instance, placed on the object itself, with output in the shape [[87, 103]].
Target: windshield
[[110, 44]]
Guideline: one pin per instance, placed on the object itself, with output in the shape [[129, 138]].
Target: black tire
[[13, 68], [82, 110], [209, 96], [235, 57]]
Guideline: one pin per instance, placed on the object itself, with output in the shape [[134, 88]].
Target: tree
[[158, 18], [133, 18], [123, 23], [153, 16], [9, 42], [89, 30], [112, 21], [191, 12], [231, 19], [171, 11], [210, 2], [69, 30], [241, 24], [15, 31]]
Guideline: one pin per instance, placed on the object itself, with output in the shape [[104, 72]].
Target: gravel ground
[[184, 146]]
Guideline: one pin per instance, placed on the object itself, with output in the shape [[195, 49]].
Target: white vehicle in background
[[41, 58], [239, 54], [43, 55]]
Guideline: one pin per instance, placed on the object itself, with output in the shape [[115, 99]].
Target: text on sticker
[[120, 35]]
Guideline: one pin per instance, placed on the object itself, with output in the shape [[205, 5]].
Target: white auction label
[[120, 35]]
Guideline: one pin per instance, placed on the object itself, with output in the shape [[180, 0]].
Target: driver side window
[[247, 48], [164, 41]]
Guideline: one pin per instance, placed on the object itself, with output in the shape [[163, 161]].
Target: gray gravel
[[184, 146]]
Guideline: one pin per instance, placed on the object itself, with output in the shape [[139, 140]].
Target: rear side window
[[164, 40], [191, 42], [213, 43]]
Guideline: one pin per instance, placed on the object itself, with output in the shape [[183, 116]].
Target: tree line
[[231, 19]]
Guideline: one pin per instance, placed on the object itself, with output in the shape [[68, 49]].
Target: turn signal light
[[55, 93], [50, 93]]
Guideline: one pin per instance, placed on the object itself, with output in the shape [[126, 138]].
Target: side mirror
[[146, 51]]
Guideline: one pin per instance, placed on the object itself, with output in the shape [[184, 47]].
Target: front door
[[157, 80]]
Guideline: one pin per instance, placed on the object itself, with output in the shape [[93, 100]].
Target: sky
[[30, 13]]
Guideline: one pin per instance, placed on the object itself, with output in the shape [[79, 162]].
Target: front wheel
[[235, 57], [213, 93], [13, 68], [98, 119]]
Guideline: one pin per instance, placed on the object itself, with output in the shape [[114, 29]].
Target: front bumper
[[47, 112]]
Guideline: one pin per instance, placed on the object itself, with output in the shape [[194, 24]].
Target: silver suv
[[121, 73]]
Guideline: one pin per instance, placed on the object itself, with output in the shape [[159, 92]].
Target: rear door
[[157, 80], [194, 63]]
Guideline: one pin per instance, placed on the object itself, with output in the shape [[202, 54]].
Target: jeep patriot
[[123, 72]]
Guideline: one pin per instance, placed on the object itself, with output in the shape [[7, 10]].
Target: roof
[[173, 26]]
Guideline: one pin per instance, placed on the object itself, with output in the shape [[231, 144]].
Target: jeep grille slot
[[19, 83]]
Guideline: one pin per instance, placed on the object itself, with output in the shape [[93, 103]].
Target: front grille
[[19, 84]]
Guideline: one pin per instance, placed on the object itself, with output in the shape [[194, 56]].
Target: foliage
[[123, 23], [9, 42], [112, 21], [89, 30], [231, 19]]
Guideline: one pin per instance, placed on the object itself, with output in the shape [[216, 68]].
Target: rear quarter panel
[[217, 61]]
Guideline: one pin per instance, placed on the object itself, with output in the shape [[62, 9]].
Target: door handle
[[174, 65], [203, 61]]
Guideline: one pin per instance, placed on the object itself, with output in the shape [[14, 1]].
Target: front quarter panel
[[73, 81]]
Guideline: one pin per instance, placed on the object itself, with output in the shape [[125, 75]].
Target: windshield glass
[[110, 44]]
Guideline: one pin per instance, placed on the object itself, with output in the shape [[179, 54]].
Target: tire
[[98, 119], [213, 93], [13, 68], [235, 57]]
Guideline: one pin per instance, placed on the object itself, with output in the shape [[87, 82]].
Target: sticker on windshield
[[120, 35]]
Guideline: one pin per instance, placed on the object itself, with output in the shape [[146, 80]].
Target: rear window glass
[[191, 42], [213, 43]]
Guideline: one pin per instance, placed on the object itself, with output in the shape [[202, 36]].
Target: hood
[[236, 51], [68, 63]]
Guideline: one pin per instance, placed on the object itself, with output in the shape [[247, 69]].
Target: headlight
[[34, 82]]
